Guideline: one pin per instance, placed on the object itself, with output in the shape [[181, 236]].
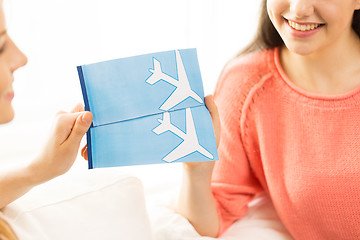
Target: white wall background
[[58, 35]]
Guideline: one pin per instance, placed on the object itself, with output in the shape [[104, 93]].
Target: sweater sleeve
[[233, 182]]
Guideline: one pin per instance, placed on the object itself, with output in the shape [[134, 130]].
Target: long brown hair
[[267, 36], [6, 232]]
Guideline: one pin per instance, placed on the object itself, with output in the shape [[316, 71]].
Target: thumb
[[82, 124], [211, 106]]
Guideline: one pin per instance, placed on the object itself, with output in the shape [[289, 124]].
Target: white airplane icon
[[182, 91], [190, 143]]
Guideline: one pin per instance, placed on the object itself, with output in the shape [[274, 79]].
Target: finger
[[64, 123], [60, 113], [84, 152], [211, 106], [78, 108], [82, 124]]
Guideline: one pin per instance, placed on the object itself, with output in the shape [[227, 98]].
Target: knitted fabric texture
[[301, 148]]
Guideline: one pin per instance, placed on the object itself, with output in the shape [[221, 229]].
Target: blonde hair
[[6, 232]]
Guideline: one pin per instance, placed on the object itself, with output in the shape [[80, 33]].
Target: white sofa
[[123, 203]]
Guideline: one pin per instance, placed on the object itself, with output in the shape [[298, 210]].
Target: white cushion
[[95, 204]]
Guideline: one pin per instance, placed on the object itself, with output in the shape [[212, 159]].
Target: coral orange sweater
[[302, 149]]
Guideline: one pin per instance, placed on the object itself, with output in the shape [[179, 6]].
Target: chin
[[7, 116], [302, 50]]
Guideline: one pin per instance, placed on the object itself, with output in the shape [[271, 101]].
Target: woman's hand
[[56, 159], [61, 150], [211, 106], [84, 152], [195, 201]]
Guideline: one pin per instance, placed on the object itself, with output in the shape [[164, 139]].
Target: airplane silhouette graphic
[[183, 89], [190, 142]]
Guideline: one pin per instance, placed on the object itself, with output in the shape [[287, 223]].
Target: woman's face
[[307, 26], [11, 58]]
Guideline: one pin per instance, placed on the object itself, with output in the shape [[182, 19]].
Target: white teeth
[[303, 27]]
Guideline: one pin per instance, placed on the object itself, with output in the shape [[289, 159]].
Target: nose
[[302, 8], [18, 57]]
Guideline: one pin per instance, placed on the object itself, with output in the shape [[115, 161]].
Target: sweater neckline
[[351, 97]]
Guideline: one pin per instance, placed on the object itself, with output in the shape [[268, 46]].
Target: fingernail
[[85, 118]]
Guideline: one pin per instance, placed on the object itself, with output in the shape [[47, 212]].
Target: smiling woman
[[60, 152], [293, 22], [289, 112], [267, 35], [11, 58]]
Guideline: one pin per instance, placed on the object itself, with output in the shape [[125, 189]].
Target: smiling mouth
[[303, 27]]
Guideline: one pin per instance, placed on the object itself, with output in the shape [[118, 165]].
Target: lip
[[9, 96], [302, 34]]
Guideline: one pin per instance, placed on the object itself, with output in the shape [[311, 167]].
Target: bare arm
[[56, 159], [14, 183], [196, 201]]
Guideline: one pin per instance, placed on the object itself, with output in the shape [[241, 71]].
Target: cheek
[[270, 9], [337, 15], [5, 82], [6, 110], [276, 9]]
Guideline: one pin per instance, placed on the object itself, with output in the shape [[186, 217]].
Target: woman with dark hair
[[289, 111]]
